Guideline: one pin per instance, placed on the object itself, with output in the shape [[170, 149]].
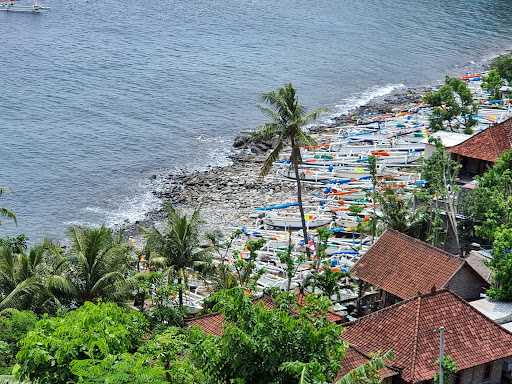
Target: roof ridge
[[415, 338], [491, 133], [471, 137], [473, 309], [452, 255]]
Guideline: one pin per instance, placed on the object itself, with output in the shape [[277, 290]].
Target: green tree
[[449, 370], [503, 65], [94, 331], [93, 268], [4, 212], [372, 165], [118, 369], [178, 243], [25, 277], [452, 105], [398, 212], [501, 265], [291, 262], [440, 173], [17, 244], [327, 281], [14, 325], [492, 82], [258, 345], [490, 204], [173, 349], [287, 121]]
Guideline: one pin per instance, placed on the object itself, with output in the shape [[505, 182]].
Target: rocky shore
[[228, 195]]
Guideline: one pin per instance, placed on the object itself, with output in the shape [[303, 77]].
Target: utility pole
[[441, 355]]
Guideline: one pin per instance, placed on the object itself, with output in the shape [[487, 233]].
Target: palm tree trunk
[[180, 290], [299, 196]]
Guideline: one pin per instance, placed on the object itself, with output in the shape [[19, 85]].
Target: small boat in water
[[11, 6]]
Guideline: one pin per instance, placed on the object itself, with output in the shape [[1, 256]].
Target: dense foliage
[[103, 343], [501, 265], [489, 206], [492, 82], [14, 325], [258, 343], [177, 244], [94, 331], [503, 65], [453, 107]]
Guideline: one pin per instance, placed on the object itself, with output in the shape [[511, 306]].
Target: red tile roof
[[355, 358], [404, 266], [487, 145], [213, 324], [408, 328]]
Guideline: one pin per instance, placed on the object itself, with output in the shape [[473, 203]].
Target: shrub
[[14, 325], [93, 331], [122, 369]]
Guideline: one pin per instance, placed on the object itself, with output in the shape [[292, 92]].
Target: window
[[487, 371]]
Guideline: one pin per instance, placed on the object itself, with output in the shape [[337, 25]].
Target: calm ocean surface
[[96, 96]]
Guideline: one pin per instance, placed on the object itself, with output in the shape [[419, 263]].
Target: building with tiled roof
[[479, 346], [482, 150], [211, 324], [399, 267]]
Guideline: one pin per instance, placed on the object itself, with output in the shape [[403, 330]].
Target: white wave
[[361, 99], [212, 139], [130, 210]]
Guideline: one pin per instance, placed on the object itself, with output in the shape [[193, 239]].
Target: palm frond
[[271, 159], [4, 212], [26, 287]]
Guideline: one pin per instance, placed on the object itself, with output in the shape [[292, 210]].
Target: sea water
[[97, 96]]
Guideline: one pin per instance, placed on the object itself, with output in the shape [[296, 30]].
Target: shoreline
[[229, 194]]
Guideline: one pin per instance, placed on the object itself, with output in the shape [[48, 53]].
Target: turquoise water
[[96, 96]]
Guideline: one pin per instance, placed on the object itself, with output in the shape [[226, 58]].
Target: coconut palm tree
[[4, 212], [94, 267], [178, 243], [24, 277], [287, 121], [327, 281]]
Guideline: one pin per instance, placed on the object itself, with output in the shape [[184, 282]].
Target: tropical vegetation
[[453, 107], [98, 310]]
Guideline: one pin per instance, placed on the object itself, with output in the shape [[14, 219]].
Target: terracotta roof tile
[[487, 145], [404, 266], [408, 328], [212, 324]]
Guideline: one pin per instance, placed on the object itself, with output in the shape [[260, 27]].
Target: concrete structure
[[449, 140]]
